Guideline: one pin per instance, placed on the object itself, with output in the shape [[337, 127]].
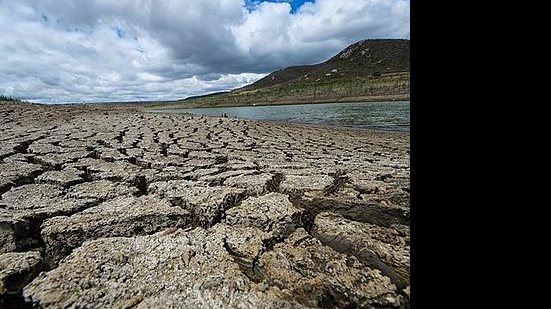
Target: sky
[[74, 51]]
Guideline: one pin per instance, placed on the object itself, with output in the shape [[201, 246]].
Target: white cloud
[[108, 50]]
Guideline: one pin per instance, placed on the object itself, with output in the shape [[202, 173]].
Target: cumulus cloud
[[122, 50]]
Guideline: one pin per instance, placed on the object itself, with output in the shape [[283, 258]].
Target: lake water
[[388, 116]]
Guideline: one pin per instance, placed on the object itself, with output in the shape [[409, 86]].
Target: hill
[[363, 59], [369, 70]]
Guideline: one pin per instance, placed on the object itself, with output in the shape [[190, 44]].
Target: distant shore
[[192, 104]]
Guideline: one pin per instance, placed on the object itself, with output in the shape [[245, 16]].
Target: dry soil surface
[[114, 207]]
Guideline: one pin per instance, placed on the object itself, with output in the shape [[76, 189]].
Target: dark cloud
[[107, 50]]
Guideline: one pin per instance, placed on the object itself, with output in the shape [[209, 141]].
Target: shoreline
[[155, 205], [183, 110], [387, 98], [313, 125], [285, 104]]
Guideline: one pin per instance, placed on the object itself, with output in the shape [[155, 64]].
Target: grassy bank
[[387, 87]]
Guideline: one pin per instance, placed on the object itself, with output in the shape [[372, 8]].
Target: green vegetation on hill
[[369, 70], [394, 86]]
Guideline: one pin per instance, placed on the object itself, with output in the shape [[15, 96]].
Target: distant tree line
[[9, 98]]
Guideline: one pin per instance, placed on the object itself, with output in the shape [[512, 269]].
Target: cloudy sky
[[57, 51]]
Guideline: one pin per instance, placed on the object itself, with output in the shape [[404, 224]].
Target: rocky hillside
[[369, 70], [367, 58]]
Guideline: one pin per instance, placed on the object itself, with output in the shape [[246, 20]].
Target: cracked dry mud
[[110, 206]]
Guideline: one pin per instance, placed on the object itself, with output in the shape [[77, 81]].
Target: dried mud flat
[[114, 207]]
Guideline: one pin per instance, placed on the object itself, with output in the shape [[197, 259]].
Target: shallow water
[[388, 116]]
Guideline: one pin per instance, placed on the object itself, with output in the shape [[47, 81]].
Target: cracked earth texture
[[111, 206]]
